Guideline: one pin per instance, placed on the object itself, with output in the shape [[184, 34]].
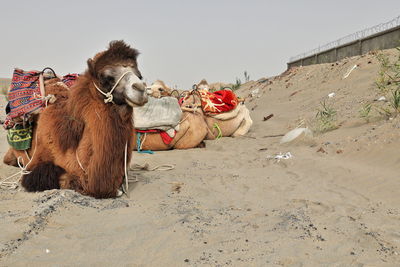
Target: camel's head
[[191, 100], [159, 89], [115, 72], [203, 85]]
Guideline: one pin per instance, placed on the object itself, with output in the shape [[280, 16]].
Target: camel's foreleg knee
[[10, 158]]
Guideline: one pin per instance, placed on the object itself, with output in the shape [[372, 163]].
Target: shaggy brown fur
[[44, 176], [119, 53], [83, 129]]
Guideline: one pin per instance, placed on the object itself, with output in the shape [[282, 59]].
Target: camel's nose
[[139, 86]]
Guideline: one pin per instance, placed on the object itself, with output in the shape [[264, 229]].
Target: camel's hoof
[[201, 145], [119, 193]]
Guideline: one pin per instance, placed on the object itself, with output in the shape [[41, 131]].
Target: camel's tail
[[44, 176]]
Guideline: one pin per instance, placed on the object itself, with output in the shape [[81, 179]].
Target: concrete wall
[[383, 40], [349, 50], [327, 56], [389, 40]]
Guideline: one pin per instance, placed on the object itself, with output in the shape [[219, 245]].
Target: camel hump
[[44, 176]]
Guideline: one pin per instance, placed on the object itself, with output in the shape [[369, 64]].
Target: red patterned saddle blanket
[[218, 102], [27, 94]]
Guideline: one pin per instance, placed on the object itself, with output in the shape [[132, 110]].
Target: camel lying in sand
[[233, 123], [54, 87], [81, 142], [192, 131], [192, 128], [236, 122]]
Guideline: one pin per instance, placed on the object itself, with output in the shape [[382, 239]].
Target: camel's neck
[[85, 89], [86, 104], [108, 128]]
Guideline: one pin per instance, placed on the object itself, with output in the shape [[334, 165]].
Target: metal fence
[[350, 38]]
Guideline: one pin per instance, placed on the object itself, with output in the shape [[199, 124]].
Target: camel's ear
[[91, 68]]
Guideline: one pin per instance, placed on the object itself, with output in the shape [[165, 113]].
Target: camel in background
[[236, 122], [192, 127], [159, 89], [192, 132]]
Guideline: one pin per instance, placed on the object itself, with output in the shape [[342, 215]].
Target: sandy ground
[[334, 203]]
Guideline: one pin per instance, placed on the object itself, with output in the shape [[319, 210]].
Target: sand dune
[[334, 203]]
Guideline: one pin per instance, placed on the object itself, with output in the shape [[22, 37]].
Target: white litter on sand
[[350, 70], [281, 156], [331, 95], [255, 92], [293, 134]]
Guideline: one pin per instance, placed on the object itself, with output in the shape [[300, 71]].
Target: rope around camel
[[6, 184], [11, 185], [138, 167]]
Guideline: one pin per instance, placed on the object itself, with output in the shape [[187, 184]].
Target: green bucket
[[19, 137]]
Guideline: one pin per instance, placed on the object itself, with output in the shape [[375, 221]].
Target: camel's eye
[[106, 79], [139, 75], [161, 90]]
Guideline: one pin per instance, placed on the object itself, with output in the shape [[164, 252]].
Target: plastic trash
[[350, 70], [281, 156], [255, 92], [293, 134], [331, 95]]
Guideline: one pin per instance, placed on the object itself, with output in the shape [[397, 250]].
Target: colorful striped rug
[[27, 94]]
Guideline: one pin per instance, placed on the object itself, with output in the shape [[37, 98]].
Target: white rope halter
[[108, 95]]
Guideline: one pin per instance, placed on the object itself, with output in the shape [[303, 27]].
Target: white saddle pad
[[158, 113]]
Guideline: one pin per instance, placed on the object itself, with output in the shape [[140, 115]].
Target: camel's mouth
[[139, 100]]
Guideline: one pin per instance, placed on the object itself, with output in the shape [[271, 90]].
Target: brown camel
[[82, 142], [192, 131], [233, 123], [53, 87]]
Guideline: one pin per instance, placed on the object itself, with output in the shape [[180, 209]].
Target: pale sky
[[181, 41]]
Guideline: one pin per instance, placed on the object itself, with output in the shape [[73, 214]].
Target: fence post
[[336, 59]]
